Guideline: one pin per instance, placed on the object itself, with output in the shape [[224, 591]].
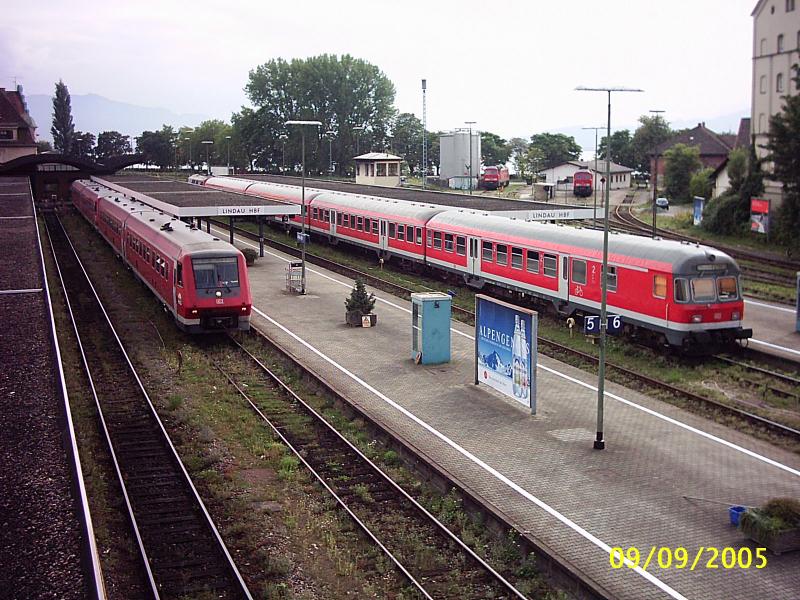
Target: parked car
[[662, 203]]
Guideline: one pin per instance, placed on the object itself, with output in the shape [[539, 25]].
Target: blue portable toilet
[[430, 328]]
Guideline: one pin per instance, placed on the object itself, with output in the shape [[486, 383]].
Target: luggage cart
[[294, 277]]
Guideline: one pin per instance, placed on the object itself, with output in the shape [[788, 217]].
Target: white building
[[378, 168], [776, 47], [456, 161], [562, 174]]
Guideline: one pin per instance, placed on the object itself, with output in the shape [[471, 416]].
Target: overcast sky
[[510, 66]]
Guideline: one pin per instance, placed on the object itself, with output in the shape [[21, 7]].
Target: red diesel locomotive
[[683, 294], [201, 280], [494, 178], [582, 183]]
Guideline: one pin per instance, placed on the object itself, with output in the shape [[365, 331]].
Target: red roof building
[[17, 129]]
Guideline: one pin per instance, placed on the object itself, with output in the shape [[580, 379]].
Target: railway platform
[[664, 480]]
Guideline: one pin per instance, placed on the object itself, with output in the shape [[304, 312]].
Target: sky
[[510, 66]]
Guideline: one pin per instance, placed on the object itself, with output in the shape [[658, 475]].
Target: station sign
[[303, 238], [591, 324], [506, 349]]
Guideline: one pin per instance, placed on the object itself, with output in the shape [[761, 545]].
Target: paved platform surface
[[541, 471], [773, 328]]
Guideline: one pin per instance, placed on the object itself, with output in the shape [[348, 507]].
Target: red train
[[201, 280], [582, 183], [494, 178], [685, 294]]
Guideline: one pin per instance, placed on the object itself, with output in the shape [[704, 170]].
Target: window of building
[[419, 236], [550, 265], [798, 40], [448, 242], [372, 170], [502, 254], [780, 42], [381, 169], [437, 240], [789, 5], [401, 233], [660, 286], [612, 279], [6, 134], [461, 245], [358, 168], [391, 230], [763, 84], [533, 261], [392, 169], [779, 82], [762, 123], [516, 258], [579, 271], [763, 46], [488, 251]]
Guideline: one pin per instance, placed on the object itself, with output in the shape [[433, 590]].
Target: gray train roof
[[625, 248], [386, 206]]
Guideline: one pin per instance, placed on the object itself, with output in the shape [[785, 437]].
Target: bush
[[360, 301], [779, 514], [250, 255], [719, 215]]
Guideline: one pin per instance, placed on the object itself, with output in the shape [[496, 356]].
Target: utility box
[[430, 328]]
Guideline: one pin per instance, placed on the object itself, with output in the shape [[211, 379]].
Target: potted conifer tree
[[360, 305]]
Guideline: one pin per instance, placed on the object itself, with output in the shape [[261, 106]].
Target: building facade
[[561, 175], [17, 129], [776, 48], [458, 158]]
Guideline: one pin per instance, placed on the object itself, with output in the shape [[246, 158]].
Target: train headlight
[[244, 309], [736, 315], [697, 318], [194, 311]]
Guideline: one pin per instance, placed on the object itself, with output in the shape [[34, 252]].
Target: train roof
[[385, 207], [623, 248]]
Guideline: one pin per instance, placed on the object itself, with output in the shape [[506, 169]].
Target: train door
[[474, 256], [332, 216], [563, 279], [383, 242]]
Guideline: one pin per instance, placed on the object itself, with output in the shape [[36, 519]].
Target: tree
[[63, 129], [342, 93], [652, 132], [783, 146], [556, 148], [621, 148], [83, 145], [700, 183], [407, 136], [737, 169], [495, 149], [112, 143], [43, 146], [519, 150], [213, 130], [157, 146], [681, 162]]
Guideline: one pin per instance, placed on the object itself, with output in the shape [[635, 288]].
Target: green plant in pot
[[250, 256], [359, 305], [776, 525]]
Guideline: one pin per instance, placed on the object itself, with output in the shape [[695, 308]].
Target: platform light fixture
[[655, 172], [358, 129], [470, 123], [599, 442], [208, 144], [329, 134], [594, 182], [302, 125], [228, 140]]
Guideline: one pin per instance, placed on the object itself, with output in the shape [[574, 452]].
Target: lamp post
[[189, 139], [599, 442], [207, 144], [470, 123], [594, 185], [283, 137], [655, 175], [303, 125], [358, 129], [228, 140], [424, 134], [329, 134]]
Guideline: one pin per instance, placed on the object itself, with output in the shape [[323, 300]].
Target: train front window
[[727, 288], [703, 290], [216, 273]]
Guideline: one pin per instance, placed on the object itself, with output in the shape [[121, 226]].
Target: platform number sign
[[591, 324]]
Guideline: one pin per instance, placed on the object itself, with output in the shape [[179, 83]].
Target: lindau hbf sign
[[505, 349]]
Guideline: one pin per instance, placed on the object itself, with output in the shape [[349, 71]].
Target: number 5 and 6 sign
[[591, 324]]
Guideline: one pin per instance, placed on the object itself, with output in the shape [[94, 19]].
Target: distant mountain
[[93, 114]]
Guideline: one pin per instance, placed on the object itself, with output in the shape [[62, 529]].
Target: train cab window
[[211, 274], [533, 261], [461, 245], [516, 258], [550, 265], [703, 290], [437, 240], [727, 288], [430, 238], [401, 233], [502, 254], [579, 271], [660, 286], [448, 242], [375, 226], [611, 282], [338, 218], [391, 230], [488, 252], [681, 290], [360, 223], [419, 236], [179, 274]]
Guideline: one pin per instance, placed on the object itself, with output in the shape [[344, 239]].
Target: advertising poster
[[698, 210], [759, 215], [505, 349]]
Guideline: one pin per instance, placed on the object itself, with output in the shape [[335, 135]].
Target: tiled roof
[[743, 137], [13, 113], [710, 143]]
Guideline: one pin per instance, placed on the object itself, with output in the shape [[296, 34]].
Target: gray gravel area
[[19, 254]]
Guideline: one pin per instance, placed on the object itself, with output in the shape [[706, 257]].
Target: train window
[[579, 271], [488, 251], [681, 290], [516, 258], [461, 245], [660, 286], [419, 236], [179, 274], [401, 233], [550, 265], [430, 238], [448, 242], [211, 273], [502, 254], [375, 226], [727, 288], [346, 220], [360, 223], [391, 230], [611, 282], [437, 240], [703, 290], [338, 218], [533, 261], [326, 216], [366, 224], [314, 214]]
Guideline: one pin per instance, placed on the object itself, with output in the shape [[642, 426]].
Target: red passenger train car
[[201, 280], [683, 294], [582, 183]]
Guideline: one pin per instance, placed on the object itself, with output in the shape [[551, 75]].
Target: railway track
[[433, 561], [556, 349], [182, 553]]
